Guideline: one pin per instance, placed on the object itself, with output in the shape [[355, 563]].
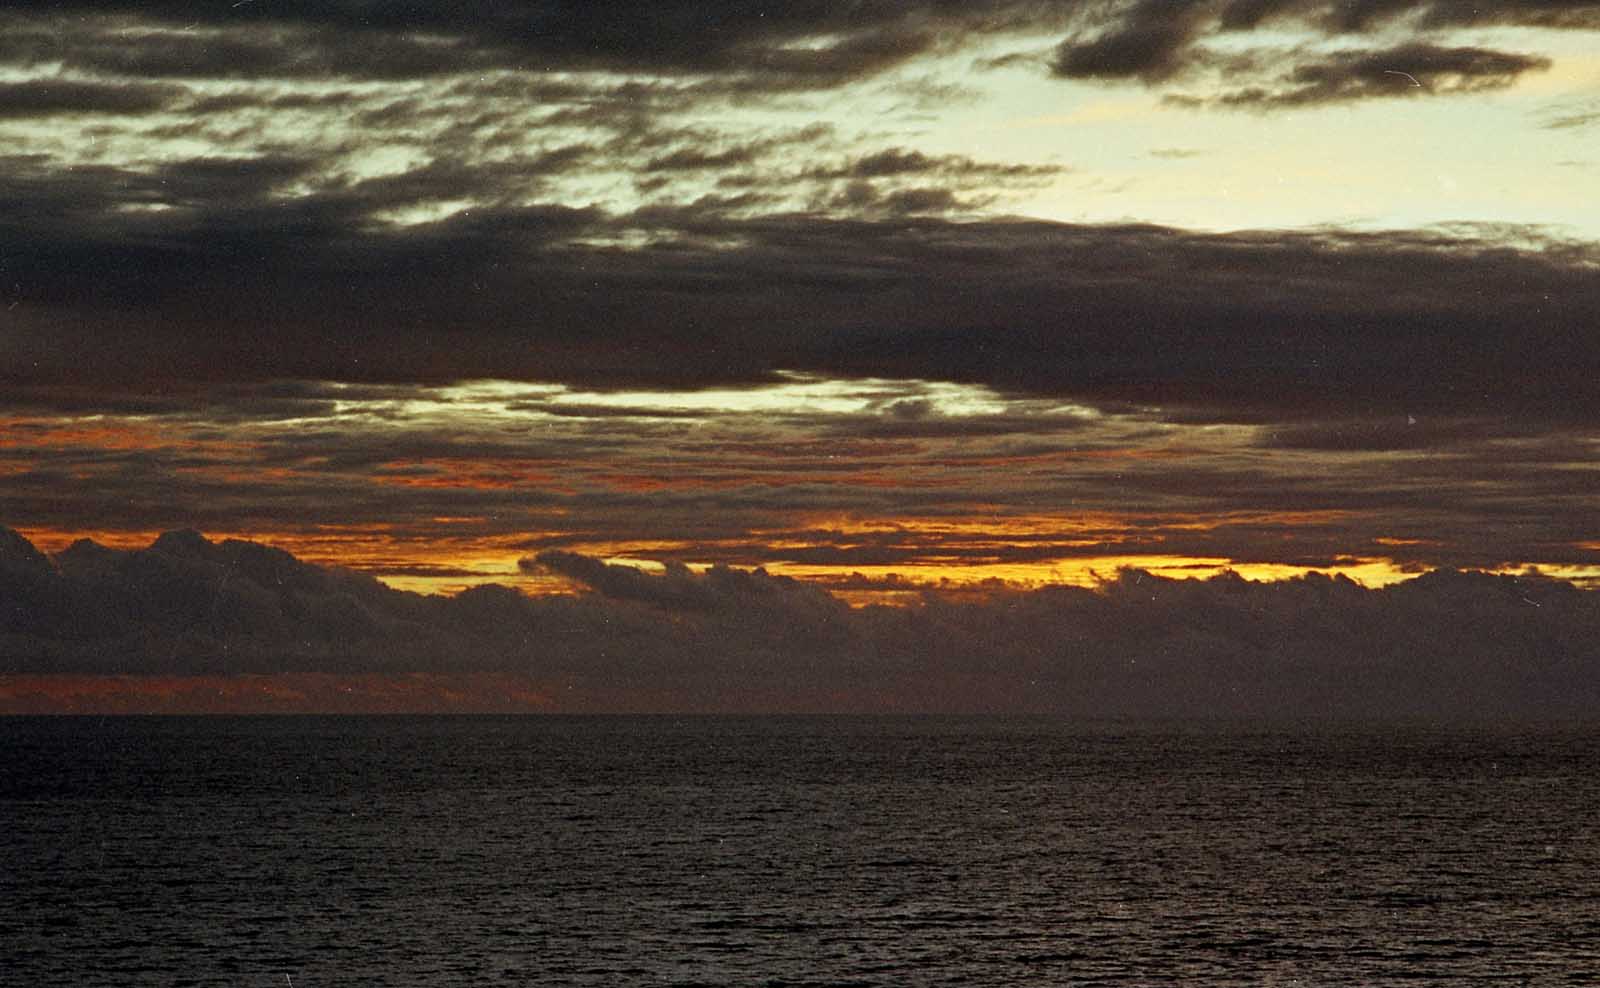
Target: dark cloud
[[901, 162], [1382, 435], [219, 284], [895, 182], [800, 45], [695, 159], [719, 590], [235, 52], [1149, 39], [55, 97], [1162, 42], [405, 197], [1028, 484], [921, 419], [1407, 70], [796, 45], [906, 202], [1314, 646], [700, 150], [672, 55], [1446, 645]]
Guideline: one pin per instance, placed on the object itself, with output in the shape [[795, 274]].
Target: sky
[[909, 305]]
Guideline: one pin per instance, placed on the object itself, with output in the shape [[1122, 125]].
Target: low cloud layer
[[1447, 644]]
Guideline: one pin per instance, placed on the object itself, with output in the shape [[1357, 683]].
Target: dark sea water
[[792, 851]]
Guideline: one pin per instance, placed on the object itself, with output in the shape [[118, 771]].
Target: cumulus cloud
[[1448, 644]]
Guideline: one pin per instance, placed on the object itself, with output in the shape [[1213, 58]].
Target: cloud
[[1407, 70], [1447, 644], [55, 97], [1385, 435], [1149, 40], [899, 162], [1209, 43], [749, 595], [216, 214], [491, 471], [797, 46], [738, 50], [1572, 115], [1428, 321], [1314, 646]]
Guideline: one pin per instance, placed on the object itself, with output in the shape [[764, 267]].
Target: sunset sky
[[882, 296]]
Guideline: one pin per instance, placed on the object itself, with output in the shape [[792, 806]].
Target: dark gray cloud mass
[[1447, 644], [772, 46], [1402, 71], [53, 98], [225, 284], [748, 48], [1159, 42], [278, 255]]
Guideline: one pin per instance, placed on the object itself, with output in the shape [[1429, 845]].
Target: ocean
[[676, 851]]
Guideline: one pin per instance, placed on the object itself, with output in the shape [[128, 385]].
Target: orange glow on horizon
[[1087, 571], [398, 562], [949, 554], [997, 523]]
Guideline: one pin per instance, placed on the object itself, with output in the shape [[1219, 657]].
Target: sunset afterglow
[[901, 305]]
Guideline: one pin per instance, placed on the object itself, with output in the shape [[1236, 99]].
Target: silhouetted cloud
[[798, 45], [1148, 39], [1207, 44], [1448, 644], [1404, 71], [1400, 321], [892, 162]]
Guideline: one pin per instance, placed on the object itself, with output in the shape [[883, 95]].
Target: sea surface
[[443, 851]]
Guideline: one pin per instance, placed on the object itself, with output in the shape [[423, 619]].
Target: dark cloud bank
[[1447, 644], [229, 286], [261, 260], [796, 45]]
